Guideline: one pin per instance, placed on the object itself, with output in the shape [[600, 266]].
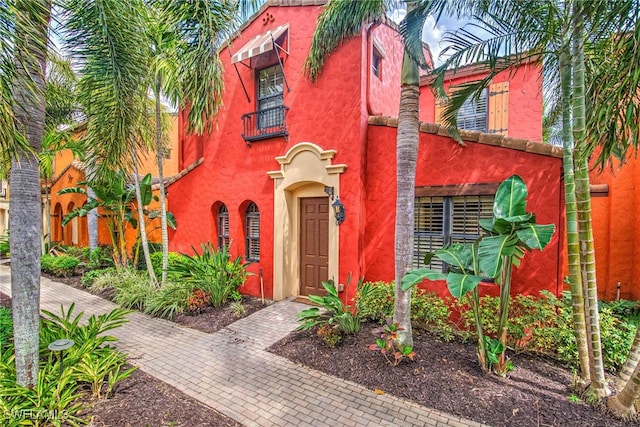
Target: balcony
[[264, 124]]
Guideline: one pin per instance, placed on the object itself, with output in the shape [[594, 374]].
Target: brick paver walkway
[[231, 372]]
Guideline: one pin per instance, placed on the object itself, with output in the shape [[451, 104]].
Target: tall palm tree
[[340, 20], [30, 38], [553, 31], [106, 40], [186, 70]]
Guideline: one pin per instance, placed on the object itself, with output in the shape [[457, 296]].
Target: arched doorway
[[305, 239]]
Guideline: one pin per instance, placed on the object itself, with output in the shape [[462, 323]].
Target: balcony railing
[[264, 124]]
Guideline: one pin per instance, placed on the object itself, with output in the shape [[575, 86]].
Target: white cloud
[[432, 35]]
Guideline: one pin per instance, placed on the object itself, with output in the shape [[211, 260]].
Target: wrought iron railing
[[263, 124]]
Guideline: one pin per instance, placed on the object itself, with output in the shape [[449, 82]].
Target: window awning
[[261, 44]]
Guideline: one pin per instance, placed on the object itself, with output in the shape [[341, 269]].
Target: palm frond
[[108, 40], [339, 21]]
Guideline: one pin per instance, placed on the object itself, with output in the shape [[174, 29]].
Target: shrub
[[197, 301], [132, 288], [330, 336], [428, 311], [212, 271], [89, 278], [432, 313], [60, 266], [168, 300], [100, 257], [376, 304], [6, 327], [4, 245], [156, 262], [335, 313]]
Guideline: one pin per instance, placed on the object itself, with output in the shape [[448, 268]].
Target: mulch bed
[[447, 377]]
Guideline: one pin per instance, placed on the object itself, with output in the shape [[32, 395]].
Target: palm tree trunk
[[163, 204], [598, 387], [25, 214], [622, 404], [632, 362], [571, 215], [407, 156], [142, 226]]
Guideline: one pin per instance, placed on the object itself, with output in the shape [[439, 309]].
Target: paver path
[[231, 372]]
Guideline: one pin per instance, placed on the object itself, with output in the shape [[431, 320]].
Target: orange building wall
[[616, 227]]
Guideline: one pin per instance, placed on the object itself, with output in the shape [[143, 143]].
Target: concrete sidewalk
[[231, 372]]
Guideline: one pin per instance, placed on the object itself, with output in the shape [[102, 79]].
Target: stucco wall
[[525, 99], [441, 161], [330, 113], [615, 229]]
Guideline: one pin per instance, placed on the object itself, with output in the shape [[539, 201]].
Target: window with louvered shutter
[[223, 227], [473, 113], [440, 221], [252, 232]]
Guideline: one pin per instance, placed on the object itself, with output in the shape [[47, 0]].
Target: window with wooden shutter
[[223, 227], [252, 232], [440, 221], [472, 114], [499, 108]]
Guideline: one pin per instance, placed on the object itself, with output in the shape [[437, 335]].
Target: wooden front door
[[314, 245]]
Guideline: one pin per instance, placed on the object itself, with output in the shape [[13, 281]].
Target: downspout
[[368, 68]]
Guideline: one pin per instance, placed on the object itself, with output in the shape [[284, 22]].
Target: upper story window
[[252, 232], [376, 63], [473, 113], [270, 97], [223, 227], [442, 220]]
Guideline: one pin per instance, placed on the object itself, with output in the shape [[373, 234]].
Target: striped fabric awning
[[260, 44]]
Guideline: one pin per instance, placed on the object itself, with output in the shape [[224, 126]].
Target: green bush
[[60, 266], [377, 303], [89, 278], [4, 245], [335, 313], [428, 311], [212, 271], [100, 257], [132, 288], [432, 313], [6, 327], [169, 300], [156, 262], [544, 325]]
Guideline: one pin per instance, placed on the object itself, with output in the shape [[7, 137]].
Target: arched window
[[252, 232], [223, 226]]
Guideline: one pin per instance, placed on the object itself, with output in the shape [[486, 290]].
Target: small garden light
[[60, 346]]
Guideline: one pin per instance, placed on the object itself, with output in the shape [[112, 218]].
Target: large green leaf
[[413, 278], [492, 249], [536, 236], [460, 284], [457, 255], [146, 194], [511, 199]]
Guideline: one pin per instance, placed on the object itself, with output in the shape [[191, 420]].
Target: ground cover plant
[[91, 366], [140, 400]]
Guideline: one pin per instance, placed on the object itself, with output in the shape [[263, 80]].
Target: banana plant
[[114, 199], [509, 235]]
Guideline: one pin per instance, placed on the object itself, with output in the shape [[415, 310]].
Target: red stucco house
[[285, 149]]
